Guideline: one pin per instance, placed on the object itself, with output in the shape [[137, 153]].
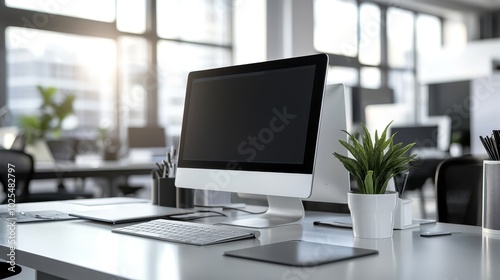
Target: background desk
[[87, 250], [111, 170]]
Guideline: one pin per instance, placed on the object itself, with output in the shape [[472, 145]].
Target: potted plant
[[47, 123], [374, 162]]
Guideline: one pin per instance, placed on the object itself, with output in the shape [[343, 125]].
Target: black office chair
[[21, 171], [23, 164], [420, 171], [6, 270], [19, 166], [459, 189]]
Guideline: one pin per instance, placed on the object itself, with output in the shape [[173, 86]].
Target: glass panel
[[175, 61], [346, 75], [369, 44], [131, 16], [249, 40], [135, 80], [81, 65], [403, 84], [455, 34], [428, 33], [400, 38], [206, 21], [370, 77], [74, 8], [335, 27]]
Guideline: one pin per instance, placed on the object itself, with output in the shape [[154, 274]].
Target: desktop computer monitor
[[148, 143], [258, 128]]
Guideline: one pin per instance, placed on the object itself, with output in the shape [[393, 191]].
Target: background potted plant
[[47, 123], [374, 162]]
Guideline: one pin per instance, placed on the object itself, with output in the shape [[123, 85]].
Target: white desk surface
[[81, 249]]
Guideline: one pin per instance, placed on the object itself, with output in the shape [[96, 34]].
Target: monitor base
[[281, 211]]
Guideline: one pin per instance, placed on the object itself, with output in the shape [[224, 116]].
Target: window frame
[[14, 17], [385, 68]]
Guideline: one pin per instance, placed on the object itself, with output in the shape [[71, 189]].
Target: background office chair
[[459, 189], [5, 272], [421, 170], [22, 166], [24, 171]]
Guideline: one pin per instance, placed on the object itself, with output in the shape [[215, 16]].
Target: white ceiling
[[446, 6], [465, 5], [482, 4]]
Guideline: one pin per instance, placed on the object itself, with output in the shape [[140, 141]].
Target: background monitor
[[256, 129], [452, 99], [146, 137], [424, 136], [146, 143], [362, 97]]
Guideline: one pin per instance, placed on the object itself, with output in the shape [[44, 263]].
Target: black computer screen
[[424, 136], [262, 117], [362, 97], [146, 137], [452, 99]]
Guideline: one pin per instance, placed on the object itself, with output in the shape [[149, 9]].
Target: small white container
[[372, 214]]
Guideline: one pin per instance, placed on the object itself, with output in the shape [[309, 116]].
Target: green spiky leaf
[[374, 161]]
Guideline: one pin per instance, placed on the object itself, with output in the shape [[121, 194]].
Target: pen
[[171, 162], [165, 168], [405, 178], [159, 167]]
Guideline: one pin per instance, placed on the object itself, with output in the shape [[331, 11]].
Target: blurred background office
[[125, 61]]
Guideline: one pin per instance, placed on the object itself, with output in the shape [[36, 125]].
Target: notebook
[[128, 213], [300, 253]]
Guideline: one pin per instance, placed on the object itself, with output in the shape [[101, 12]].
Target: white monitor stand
[[281, 211]]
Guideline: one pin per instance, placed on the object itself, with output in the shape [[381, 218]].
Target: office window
[[336, 27], [400, 43], [137, 77], [123, 73], [75, 64], [428, 30], [73, 8], [370, 77], [403, 84], [175, 61], [387, 43], [131, 16], [249, 40], [455, 34], [204, 21], [369, 42], [345, 75]]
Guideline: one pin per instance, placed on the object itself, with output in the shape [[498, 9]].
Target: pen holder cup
[[185, 198], [163, 192], [491, 196], [403, 216]]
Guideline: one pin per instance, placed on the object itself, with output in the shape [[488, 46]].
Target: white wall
[[451, 64], [484, 110]]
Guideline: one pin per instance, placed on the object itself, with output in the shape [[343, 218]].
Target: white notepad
[[127, 213]]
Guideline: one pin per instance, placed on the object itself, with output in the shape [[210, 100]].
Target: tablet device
[[300, 253], [128, 213]]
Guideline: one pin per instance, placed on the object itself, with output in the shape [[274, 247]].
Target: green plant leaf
[[47, 94], [64, 109], [368, 183], [375, 160]]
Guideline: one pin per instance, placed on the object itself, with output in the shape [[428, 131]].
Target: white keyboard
[[186, 232]]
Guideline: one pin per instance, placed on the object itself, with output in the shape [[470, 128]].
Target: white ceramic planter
[[372, 214]]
